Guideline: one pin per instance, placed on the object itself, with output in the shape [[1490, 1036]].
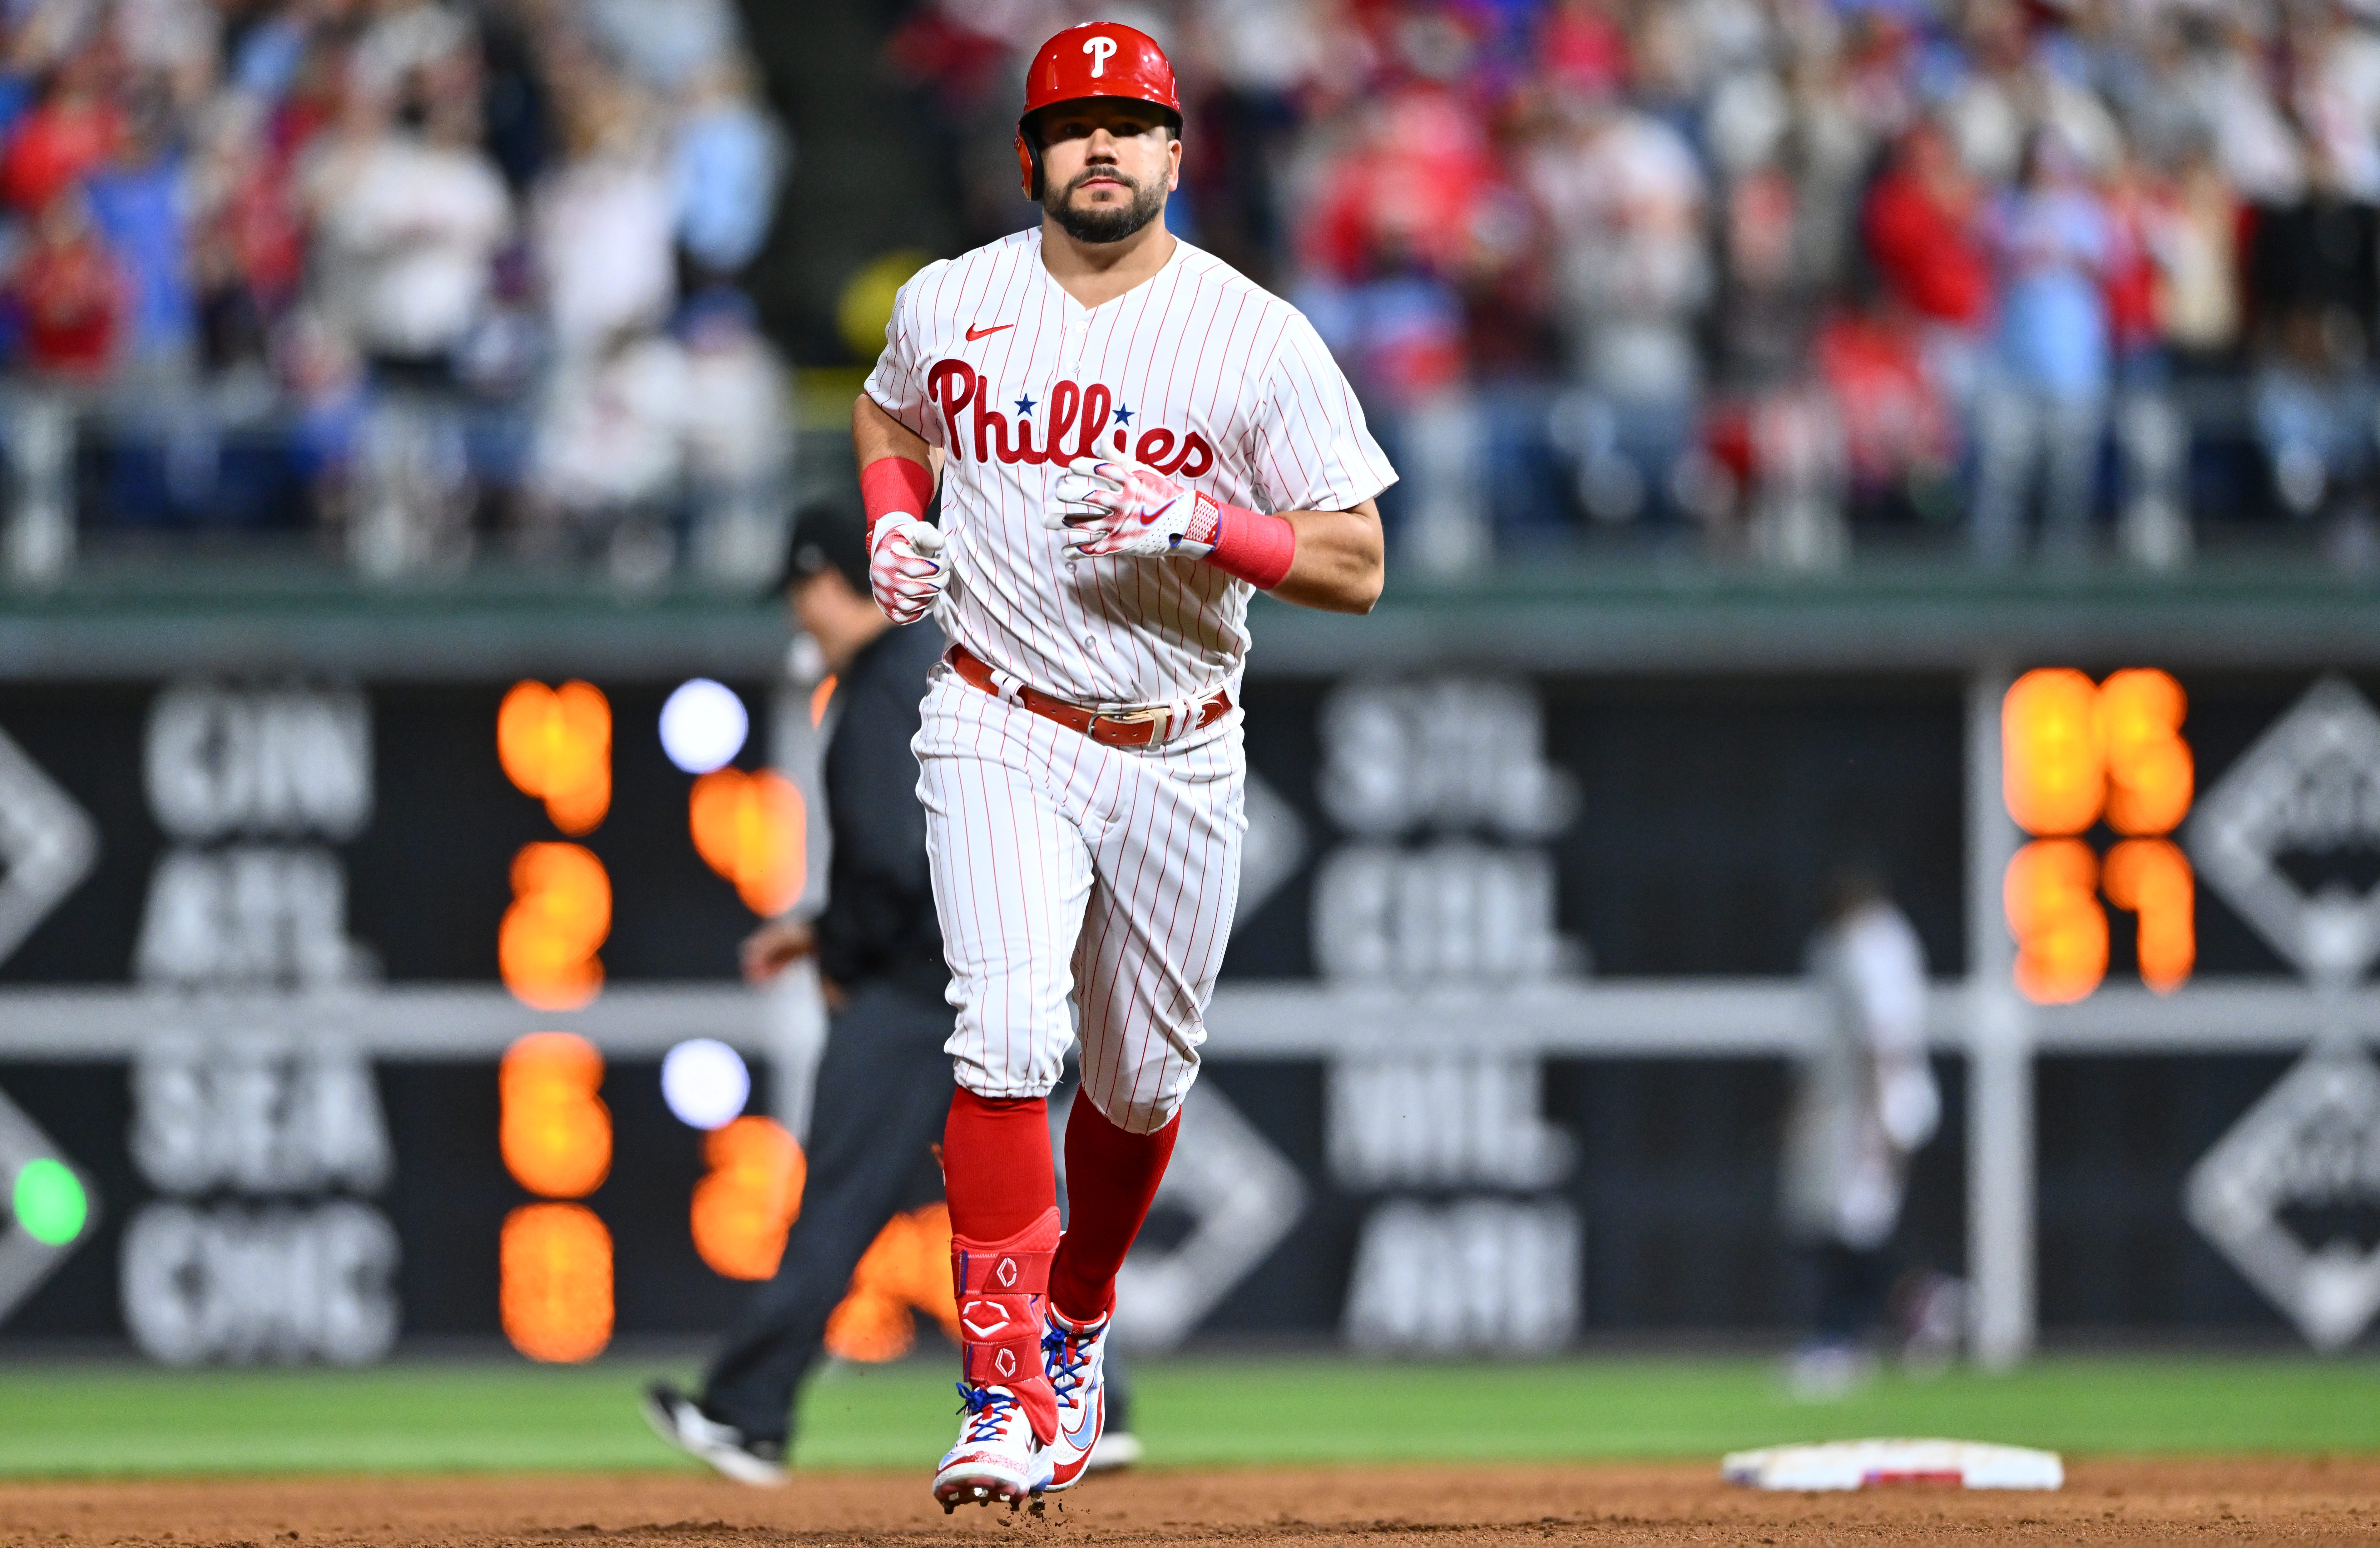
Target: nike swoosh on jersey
[[975, 333]]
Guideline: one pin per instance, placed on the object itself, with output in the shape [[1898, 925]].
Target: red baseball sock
[[996, 1168], [1003, 1199], [1112, 1178]]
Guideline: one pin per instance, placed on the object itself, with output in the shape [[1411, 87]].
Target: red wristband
[[891, 484], [1257, 548]]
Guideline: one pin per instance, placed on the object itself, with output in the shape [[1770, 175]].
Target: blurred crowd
[[426, 276], [2040, 277]]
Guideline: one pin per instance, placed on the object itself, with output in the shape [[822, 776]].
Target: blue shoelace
[[990, 1409], [1064, 1355]]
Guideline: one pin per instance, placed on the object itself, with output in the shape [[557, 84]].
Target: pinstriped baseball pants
[[1062, 867]]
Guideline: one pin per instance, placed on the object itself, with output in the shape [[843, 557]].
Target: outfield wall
[[1498, 1061]]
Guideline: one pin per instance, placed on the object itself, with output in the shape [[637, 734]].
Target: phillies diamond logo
[[49, 1209], [1242, 1197], [2270, 837], [47, 845], [2277, 1196]]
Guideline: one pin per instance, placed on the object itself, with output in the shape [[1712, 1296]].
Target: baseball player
[[1135, 439], [1864, 1102], [879, 952]]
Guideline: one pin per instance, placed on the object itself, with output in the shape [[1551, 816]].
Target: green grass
[[497, 1415]]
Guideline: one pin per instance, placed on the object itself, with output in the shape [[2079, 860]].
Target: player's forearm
[[896, 484], [1339, 565], [876, 434]]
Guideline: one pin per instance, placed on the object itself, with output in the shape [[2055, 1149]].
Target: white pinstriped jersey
[[1197, 371]]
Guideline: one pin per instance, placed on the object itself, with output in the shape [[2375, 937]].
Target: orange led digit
[[555, 1286], [2149, 769], [2050, 895], [554, 1132], [2073, 752], [561, 912], [555, 1260], [750, 1199], [2152, 878], [753, 830], [2053, 776], [555, 745]]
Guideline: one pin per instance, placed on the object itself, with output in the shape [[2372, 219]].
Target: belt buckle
[[1149, 722]]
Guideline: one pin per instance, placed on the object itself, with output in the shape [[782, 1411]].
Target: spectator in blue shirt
[[139, 200], [2044, 407], [724, 170]]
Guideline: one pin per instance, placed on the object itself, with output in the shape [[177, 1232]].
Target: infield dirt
[[2229, 1500]]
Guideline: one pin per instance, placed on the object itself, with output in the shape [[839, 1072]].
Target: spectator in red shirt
[[1925, 238], [1411, 186], [76, 127], [1394, 232], [1583, 47], [70, 293], [1924, 235]]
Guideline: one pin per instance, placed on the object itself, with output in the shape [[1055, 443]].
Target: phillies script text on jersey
[[1072, 422]]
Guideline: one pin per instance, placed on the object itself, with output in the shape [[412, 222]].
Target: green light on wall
[[49, 1201]]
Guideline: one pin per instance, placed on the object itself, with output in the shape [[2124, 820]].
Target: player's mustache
[[1114, 173]]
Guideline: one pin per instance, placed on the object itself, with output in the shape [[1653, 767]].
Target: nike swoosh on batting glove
[[902, 573], [1109, 506]]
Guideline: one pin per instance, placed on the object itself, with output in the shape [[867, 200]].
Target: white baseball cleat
[[998, 1457], [1075, 1357]]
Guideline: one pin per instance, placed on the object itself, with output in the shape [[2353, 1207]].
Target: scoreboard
[[340, 1011], [254, 861]]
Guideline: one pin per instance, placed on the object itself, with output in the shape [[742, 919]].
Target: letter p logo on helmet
[[1100, 49]]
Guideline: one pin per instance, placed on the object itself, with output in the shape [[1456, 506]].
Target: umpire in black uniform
[[883, 1085]]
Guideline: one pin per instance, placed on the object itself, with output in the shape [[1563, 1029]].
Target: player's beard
[[1106, 223]]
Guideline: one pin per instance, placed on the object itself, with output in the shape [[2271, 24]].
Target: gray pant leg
[[2071, 432], [2005, 435]]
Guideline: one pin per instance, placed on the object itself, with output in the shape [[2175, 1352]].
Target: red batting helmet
[[1097, 59]]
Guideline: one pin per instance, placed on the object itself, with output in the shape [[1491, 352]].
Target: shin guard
[[1003, 1289]]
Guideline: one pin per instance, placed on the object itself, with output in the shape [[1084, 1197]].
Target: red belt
[[1152, 727]]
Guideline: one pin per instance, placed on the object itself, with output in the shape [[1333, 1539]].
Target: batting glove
[[902, 573], [1113, 505]]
